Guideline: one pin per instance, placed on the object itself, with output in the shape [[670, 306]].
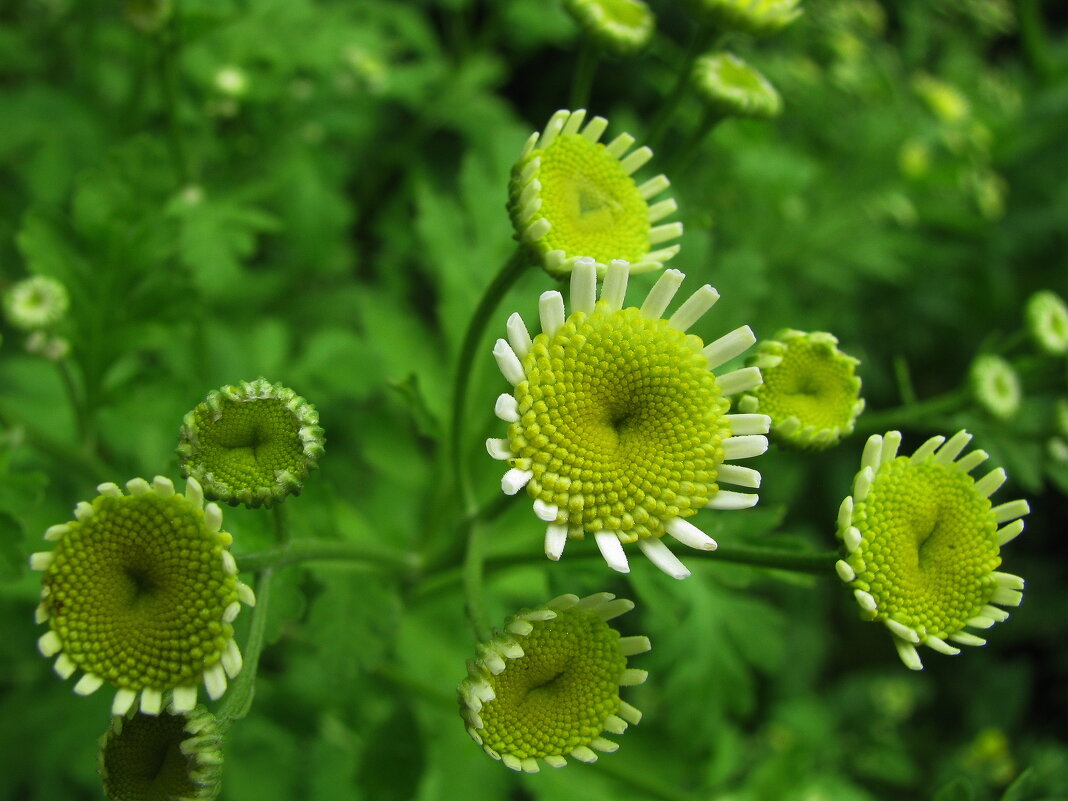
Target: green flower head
[[618, 424], [922, 544], [755, 17], [995, 386], [619, 27], [141, 592], [547, 687], [1047, 322], [36, 302], [731, 88], [571, 197], [253, 443], [810, 390], [148, 16], [172, 756]]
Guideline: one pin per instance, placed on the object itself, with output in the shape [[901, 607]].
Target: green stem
[[904, 381], [702, 35], [582, 78], [472, 571], [473, 568], [640, 780], [918, 414], [1035, 39], [818, 563], [170, 48], [476, 328], [88, 464], [242, 689], [79, 408], [685, 154], [485, 514], [298, 551], [280, 523]]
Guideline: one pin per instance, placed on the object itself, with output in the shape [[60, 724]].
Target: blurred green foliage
[[313, 192]]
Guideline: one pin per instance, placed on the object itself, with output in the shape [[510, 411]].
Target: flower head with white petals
[[546, 688], [922, 544], [141, 592], [618, 424], [571, 198]]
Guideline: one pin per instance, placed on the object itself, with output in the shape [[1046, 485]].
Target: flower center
[[621, 421], [559, 694], [594, 207], [249, 442], [811, 384], [137, 592], [929, 546]]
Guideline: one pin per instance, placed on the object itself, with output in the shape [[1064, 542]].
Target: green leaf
[[426, 423], [352, 622], [12, 559], [956, 790], [394, 760]]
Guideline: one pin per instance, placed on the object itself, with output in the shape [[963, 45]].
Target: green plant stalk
[[238, 701], [688, 152], [79, 408], [913, 415], [299, 551], [280, 523], [169, 51], [702, 36], [818, 563], [473, 557], [582, 78]]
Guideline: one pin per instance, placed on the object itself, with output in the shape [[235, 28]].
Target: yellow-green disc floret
[[922, 544], [166, 757], [141, 592], [811, 391], [253, 443], [547, 687], [621, 422], [619, 426], [572, 197], [595, 206]]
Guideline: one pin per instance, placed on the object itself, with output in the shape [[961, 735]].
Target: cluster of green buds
[[38, 305]]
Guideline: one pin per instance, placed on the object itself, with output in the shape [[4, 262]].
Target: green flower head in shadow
[[172, 756]]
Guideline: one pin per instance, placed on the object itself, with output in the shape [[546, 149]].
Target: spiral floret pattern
[[922, 544], [141, 592], [252, 443], [546, 688], [618, 426], [571, 197]]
